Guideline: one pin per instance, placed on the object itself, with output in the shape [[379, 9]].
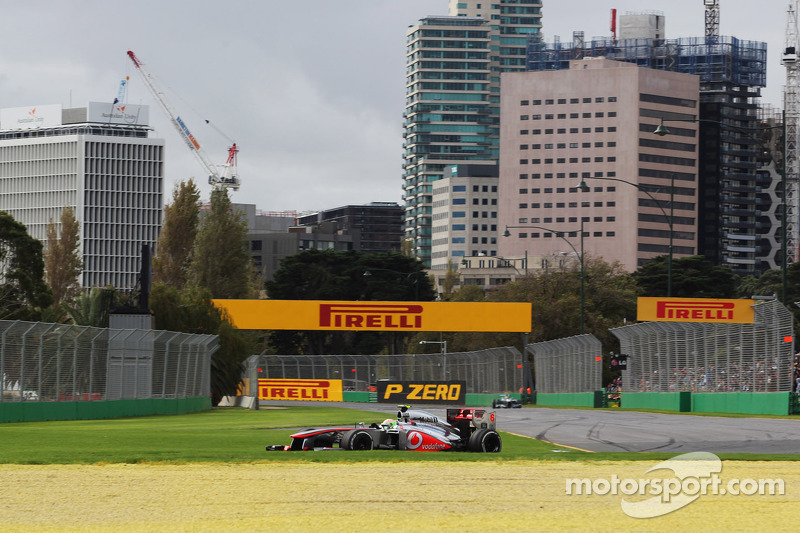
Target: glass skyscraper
[[453, 98]]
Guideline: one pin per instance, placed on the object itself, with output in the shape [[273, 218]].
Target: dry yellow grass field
[[431, 496]]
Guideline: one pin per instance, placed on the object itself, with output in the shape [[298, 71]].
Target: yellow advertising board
[[319, 390], [378, 316], [715, 310]]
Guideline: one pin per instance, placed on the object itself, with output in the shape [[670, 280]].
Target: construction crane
[[712, 20], [121, 95], [791, 107], [223, 177]]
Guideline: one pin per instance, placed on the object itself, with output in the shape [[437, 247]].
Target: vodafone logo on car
[[417, 441], [414, 440]]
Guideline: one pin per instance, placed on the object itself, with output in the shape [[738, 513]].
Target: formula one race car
[[465, 430], [507, 402]]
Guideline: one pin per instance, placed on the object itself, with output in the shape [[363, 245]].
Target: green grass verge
[[240, 435]]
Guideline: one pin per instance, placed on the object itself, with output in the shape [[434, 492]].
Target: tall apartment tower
[[453, 98], [594, 124], [99, 161]]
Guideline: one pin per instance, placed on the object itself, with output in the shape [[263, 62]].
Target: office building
[[98, 160], [464, 215], [594, 123], [370, 228], [731, 73], [379, 224]]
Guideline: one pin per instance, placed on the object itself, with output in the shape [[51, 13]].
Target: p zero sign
[[713, 310], [422, 391], [378, 316], [320, 390]]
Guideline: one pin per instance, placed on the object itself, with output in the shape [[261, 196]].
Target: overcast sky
[[312, 91]]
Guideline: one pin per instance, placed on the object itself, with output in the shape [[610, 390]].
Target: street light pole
[[583, 279], [444, 356], [671, 232], [584, 187], [560, 234]]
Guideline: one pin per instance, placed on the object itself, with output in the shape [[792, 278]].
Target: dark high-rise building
[[378, 225]]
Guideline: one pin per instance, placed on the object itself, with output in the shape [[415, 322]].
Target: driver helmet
[[389, 423]]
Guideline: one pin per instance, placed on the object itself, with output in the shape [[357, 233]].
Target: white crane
[[227, 176], [791, 106]]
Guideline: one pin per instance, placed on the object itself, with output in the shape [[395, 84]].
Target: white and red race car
[[472, 430]]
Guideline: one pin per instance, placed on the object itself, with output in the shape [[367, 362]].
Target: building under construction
[[720, 60], [731, 227]]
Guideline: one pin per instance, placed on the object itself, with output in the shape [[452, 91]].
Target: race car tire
[[494, 404], [357, 439], [485, 440]]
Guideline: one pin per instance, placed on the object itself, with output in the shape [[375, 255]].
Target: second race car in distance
[[506, 401]]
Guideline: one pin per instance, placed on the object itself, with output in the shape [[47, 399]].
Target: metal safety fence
[[710, 357], [484, 371], [568, 365], [58, 362]]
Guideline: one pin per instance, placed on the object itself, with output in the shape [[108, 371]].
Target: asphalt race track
[[628, 431], [620, 431]]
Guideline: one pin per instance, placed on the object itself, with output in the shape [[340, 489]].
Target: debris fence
[[484, 371], [709, 357], [58, 362]]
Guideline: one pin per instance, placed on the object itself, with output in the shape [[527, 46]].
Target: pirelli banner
[[696, 310], [378, 316], [319, 390], [422, 392]]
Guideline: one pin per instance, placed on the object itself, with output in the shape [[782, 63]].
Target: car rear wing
[[478, 418]]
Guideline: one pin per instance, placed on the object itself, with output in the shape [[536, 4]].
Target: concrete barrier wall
[[355, 396], [566, 399], [662, 401], [754, 403], [39, 411]]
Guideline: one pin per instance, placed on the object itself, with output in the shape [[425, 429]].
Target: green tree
[[23, 291], [191, 311], [62, 260], [770, 283], [692, 277], [609, 300], [469, 293], [221, 258], [177, 237], [92, 308], [351, 275], [451, 279]]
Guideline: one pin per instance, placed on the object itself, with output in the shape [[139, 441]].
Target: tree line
[[199, 258]]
